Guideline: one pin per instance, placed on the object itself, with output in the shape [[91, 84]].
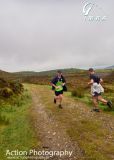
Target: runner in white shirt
[[96, 90]]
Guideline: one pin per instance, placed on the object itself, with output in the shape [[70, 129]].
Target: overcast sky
[[48, 34]]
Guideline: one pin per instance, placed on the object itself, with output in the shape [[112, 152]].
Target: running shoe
[[60, 106], [96, 110], [109, 104]]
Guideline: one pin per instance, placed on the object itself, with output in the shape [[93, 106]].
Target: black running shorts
[[96, 94], [57, 93]]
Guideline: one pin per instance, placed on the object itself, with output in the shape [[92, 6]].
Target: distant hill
[[5, 74], [48, 73], [73, 76], [110, 67]]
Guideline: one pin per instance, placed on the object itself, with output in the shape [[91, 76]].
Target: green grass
[[90, 138], [15, 126]]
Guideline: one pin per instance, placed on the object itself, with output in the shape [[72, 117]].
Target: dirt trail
[[53, 134]]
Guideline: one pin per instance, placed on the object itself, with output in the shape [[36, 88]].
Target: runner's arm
[[64, 81], [101, 80], [53, 85], [91, 82], [53, 82]]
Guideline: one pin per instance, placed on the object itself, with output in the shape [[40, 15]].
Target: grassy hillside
[[15, 126]]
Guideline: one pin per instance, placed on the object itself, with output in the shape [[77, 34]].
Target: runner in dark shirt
[[95, 78], [58, 84], [95, 82]]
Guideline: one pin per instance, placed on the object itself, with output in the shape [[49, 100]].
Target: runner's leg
[[101, 99], [57, 97], [95, 101], [108, 103], [60, 98]]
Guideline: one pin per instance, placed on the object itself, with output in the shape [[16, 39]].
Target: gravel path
[[53, 136]]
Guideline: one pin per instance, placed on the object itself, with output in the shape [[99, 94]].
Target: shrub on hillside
[[16, 87], [7, 89], [79, 92], [3, 83], [6, 92]]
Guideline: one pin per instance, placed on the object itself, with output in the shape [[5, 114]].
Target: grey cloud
[[47, 34]]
